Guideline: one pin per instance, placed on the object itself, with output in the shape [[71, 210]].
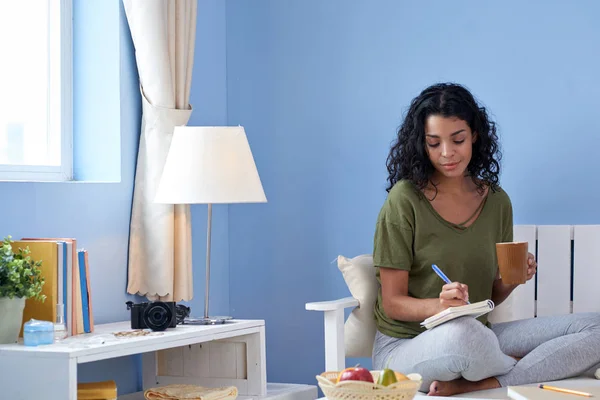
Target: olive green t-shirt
[[410, 235]]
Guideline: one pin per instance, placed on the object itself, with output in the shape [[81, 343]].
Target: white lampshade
[[210, 164]]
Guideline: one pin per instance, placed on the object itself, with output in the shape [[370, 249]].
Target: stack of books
[[65, 269]]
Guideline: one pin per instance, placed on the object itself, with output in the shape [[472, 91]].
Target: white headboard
[[568, 277]]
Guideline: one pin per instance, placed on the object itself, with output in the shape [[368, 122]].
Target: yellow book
[[105, 390], [47, 253]]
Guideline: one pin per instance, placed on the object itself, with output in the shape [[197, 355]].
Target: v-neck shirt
[[411, 235]]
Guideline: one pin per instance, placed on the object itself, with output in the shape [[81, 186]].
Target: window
[[35, 84]]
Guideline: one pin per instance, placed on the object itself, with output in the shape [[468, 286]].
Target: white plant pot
[[11, 317]]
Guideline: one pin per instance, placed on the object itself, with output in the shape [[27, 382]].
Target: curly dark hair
[[408, 157]]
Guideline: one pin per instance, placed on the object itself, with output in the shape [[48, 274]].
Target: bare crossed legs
[[463, 355]]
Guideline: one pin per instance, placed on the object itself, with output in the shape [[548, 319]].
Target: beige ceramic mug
[[512, 262]]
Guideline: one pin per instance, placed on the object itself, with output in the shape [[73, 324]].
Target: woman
[[445, 207]]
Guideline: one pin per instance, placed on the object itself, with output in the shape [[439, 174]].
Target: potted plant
[[20, 279]]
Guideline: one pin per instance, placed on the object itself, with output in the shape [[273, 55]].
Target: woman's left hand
[[531, 266]]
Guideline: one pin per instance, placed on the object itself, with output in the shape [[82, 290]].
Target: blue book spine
[[84, 292]]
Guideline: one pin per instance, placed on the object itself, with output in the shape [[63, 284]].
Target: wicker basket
[[360, 390]]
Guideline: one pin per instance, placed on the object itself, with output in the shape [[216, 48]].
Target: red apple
[[355, 374]]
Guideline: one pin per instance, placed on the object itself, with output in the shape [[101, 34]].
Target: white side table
[[213, 355]]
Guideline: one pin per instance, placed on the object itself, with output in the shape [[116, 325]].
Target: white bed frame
[[568, 261]]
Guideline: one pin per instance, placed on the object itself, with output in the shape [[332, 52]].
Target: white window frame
[[61, 108]]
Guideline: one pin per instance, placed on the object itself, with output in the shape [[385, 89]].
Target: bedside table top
[[103, 343]]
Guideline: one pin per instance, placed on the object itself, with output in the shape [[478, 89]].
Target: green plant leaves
[[20, 275]]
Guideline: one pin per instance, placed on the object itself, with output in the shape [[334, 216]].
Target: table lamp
[[209, 165]]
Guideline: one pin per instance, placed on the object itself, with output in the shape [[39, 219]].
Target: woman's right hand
[[454, 294]]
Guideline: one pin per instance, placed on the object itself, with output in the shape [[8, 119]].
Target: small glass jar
[[36, 332], [60, 328]]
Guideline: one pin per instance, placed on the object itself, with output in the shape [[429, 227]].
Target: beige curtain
[[160, 257]]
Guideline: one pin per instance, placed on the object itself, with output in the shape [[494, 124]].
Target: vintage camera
[[154, 315]]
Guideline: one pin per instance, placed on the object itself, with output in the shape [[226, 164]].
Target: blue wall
[[209, 102], [96, 75], [321, 87]]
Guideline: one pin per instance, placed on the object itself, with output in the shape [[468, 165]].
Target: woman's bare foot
[[449, 388]]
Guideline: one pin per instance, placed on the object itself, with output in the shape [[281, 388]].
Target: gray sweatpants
[[551, 348]]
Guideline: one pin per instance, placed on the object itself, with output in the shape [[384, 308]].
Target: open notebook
[[475, 310], [535, 393]]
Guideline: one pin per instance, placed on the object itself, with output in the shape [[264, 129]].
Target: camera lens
[[158, 316]]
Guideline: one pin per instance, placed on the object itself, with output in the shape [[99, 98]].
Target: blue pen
[[441, 275]]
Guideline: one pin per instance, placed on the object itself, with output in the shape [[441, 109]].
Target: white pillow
[[360, 329]]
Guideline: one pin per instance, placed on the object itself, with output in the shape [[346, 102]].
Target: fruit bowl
[[404, 389]]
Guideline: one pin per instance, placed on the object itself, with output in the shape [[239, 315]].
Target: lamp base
[[207, 320]]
